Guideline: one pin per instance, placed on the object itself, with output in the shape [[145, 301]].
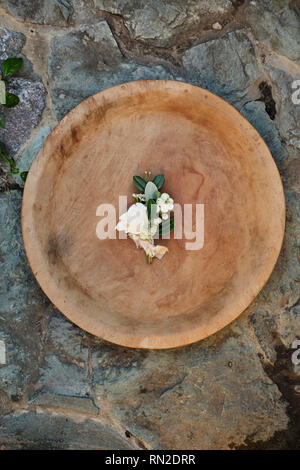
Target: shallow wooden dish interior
[[209, 154]]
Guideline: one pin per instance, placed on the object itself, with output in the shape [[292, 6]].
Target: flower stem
[[149, 259]]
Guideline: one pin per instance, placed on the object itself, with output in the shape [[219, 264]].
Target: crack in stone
[[171, 387], [267, 98], [6, 186], [289, 309], [282, 374], [142, 49], [136, 48]]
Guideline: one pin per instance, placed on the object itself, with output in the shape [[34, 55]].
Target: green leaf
[[7, 159], [11, 100], [24, 175], [11, 65], [139, 182], [150, 190], [4, 158], [167, 226], [2, 121], [151, 209], [159, 181], [10, 161], [3, 150]]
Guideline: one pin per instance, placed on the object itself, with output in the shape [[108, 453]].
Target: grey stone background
[[62, 388]]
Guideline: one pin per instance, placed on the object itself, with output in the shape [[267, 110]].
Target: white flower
[[139, 197], [165, 203], [135, 221], [164, 216], [164, 208]]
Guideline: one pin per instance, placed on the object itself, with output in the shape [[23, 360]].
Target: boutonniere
[[149, 217]]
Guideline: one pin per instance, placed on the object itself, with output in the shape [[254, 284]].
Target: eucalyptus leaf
[[150, 190], [11, 100], [139, 182], [167, 226], [11, 65], [2, 121], [159, 181]]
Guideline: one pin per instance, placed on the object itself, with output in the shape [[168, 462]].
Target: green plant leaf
[[167, 226], [150, 190], [139, 182], [3, 150], [4, 158], [159, 181], [7, 159], [24, 175], [11, 100], [151, 209], [11, 163], [2, 121], [11, 65]]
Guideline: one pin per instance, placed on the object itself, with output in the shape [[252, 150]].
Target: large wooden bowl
[[209, 154]]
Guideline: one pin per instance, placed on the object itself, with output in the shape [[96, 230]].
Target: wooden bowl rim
[[35, 259]]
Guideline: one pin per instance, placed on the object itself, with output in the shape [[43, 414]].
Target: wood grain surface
[[209, 154]]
